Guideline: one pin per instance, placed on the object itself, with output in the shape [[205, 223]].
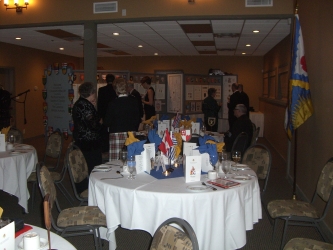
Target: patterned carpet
[[258, 238]]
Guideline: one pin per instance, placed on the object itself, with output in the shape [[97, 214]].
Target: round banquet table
[[219, 218], [15, 167], [57, 242]]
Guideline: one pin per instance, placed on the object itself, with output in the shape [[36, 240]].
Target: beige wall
[[315, 136], [29, 65], [46, 12]]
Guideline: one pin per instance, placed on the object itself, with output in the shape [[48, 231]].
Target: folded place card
[[2, 142], [195, 128], [192, 168], [143, 161], [188, 148], [7, 237], [205, 161], [161, 128]]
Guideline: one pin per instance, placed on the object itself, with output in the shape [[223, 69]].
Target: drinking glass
[[123, 157], [131, 167], [226, 165], [236, 156]]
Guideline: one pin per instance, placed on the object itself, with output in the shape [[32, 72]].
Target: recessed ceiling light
[[18, 38], [61, 48], [140, 46], [155, 54], [248, 45], [256, 31], [115, 34], [243, 53]]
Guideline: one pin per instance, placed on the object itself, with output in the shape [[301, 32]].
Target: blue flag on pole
[[300, 104]]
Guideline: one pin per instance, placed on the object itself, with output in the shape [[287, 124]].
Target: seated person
[[122, 114], [242, 124]]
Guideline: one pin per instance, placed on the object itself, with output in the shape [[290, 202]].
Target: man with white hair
[[242, 124]]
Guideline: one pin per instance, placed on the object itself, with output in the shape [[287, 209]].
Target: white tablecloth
[[219, 218], [15, 168], [57, 242]]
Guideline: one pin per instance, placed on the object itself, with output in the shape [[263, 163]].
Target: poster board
[[175, 93]]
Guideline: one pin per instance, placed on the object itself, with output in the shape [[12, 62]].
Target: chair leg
[[34, 184], [274, 227], [284, 233]]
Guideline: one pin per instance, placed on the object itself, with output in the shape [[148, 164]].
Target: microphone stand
[[25, 98]]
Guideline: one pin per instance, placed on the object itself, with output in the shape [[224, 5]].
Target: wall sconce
[[17, 7]]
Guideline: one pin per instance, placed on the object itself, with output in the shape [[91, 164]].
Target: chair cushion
[[32, 177], [84, 194], [325, 182], [169, 237], [258, 160], [55, 176], [282, 208], [78, 165], [75, 216], [54, 145], [303, 244]]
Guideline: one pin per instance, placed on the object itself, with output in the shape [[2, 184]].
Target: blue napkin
[[186, 117], [211, 150], [203, 139], [164, 117], [155, 123], [153, 137], [135, 148]]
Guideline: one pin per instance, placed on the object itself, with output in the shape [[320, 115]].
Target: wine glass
[[131, 166], [123, 157], [236, 156], [226, 165]]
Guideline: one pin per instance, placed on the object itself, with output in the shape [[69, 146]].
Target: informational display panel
[[175, 93]]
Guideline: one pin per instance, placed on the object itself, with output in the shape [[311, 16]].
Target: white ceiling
[[167, 38]]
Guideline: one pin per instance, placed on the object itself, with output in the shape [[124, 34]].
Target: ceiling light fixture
[[243, 53], [248, 45], [115, 34], [155, 54], [17, 7], [140, 46], [18, 38], [61, 48], [256, 31]]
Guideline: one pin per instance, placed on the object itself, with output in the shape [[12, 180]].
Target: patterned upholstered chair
[[72, 221], [173, 237], [117, 141], [255, 136], [78, 171], [240, 143], [259, 159], [18, 136], [53, 150], [301, 213], [307, 244]]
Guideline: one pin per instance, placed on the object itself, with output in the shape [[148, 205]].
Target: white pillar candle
[[31, 241]]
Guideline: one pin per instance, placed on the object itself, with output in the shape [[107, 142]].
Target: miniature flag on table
[[176, 121], [166, 143], [300, 104]]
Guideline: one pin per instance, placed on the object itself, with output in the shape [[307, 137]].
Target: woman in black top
[[87, 126], [148, 101]]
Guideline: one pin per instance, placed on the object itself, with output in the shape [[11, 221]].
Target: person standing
[[122, 114], [233, 101], [244, 98], [87, 126], [210, 108], [242, 124], [132, 92], [106, 95], [148, 100]]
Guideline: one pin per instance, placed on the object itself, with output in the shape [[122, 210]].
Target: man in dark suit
[[106, 94], [242, 124], [122, 114], [244, 98], [132, 92], [235, 99]]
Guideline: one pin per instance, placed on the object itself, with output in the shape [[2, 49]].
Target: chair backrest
[[325, 182], [255, 136], [76, 163], [18, 136], [259, 159], [174, 237], [254, 127], [46, 183], [241, 143], [54, 145], [116, 141]]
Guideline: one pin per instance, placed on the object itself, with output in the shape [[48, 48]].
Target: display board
[[175, 93]]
